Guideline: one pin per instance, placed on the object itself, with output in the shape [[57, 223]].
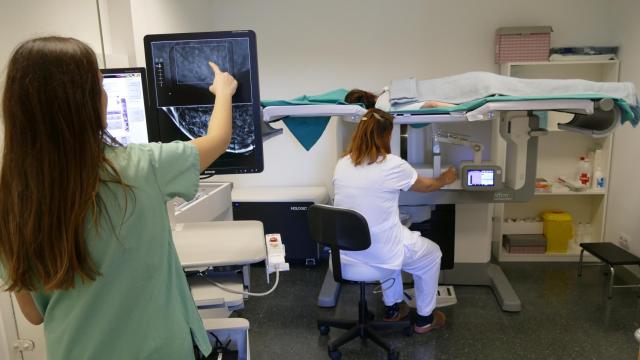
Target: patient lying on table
[[371, 100], [412, 94]]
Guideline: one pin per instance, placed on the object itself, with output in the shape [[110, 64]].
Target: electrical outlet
[[623, 241]]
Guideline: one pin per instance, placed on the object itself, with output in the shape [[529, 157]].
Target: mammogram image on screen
[[187, 58], [182, 74], [182, 77], [193, 121]]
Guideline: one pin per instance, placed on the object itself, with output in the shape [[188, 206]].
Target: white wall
[[623, 212], [24, 19], [115, 18], [311, 47]]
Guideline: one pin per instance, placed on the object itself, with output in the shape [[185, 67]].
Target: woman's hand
[[218, 136], [448, 176], [428, 184], [223, 83]]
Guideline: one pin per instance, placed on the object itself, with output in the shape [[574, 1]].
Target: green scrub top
[[141, 306]]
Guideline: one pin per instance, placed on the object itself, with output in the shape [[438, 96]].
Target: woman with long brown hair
[[369, 179], [85, 241]]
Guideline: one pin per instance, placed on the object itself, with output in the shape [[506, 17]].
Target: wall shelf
[[558, 155], [573, 193], [572, 255]]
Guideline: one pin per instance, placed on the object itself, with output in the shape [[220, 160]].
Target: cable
[[378, 289], [219, 346], [222, 287]]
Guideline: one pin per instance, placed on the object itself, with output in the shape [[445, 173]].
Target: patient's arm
[[435, 104], [427, 184]]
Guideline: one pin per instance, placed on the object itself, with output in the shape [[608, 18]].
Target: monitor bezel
[[145, 93], [153, 125]]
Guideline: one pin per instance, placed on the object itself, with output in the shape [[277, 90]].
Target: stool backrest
[[339, 229]]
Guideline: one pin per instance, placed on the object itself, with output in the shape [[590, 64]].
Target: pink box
[[531, 43]]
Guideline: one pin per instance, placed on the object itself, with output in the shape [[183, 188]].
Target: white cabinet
[[558, 155]]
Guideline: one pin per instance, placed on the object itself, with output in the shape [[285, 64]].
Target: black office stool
[[344, 229]]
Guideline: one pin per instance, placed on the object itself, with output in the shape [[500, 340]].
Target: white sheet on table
[[475, 85]]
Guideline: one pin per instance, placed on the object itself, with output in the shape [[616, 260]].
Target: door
[[21, 340], [31, 337]]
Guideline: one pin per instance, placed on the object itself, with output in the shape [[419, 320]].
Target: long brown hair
[[52, 164], [357, 96], [372, 137]]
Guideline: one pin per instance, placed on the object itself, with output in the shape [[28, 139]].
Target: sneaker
[[396, 312], [439, 320]]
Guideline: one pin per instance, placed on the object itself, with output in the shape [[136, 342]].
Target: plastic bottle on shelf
[[577, 236], [598, 181], [584, 171], [586, 233]]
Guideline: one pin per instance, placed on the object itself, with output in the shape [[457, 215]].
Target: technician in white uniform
[[369, 180]]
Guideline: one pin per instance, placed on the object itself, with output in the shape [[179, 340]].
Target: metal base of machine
[[329, 291], [483, 274]]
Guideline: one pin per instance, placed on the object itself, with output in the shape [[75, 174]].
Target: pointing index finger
[[214, 67]]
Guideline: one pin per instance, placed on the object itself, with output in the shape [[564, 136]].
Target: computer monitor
[[180, 101], [127, 104]]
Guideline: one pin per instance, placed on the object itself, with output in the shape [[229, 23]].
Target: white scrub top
[[373, 190]]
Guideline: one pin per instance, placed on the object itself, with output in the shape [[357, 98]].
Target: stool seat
[[611, 253], [356, 271], [613, 256]]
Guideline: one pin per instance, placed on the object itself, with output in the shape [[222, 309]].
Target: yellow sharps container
[[558, 229]]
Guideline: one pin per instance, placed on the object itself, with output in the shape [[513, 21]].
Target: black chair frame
[[344, 229]]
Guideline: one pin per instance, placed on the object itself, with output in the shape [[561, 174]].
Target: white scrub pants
[[422, 260]]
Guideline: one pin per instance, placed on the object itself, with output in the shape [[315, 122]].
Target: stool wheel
[[335, 355], [324, 329], [393, 355]]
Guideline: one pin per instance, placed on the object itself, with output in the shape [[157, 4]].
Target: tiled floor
[[563, 317]]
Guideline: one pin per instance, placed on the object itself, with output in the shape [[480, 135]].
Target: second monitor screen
[[180, 84]]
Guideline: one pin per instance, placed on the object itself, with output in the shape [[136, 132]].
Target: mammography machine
[[497, 138]]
